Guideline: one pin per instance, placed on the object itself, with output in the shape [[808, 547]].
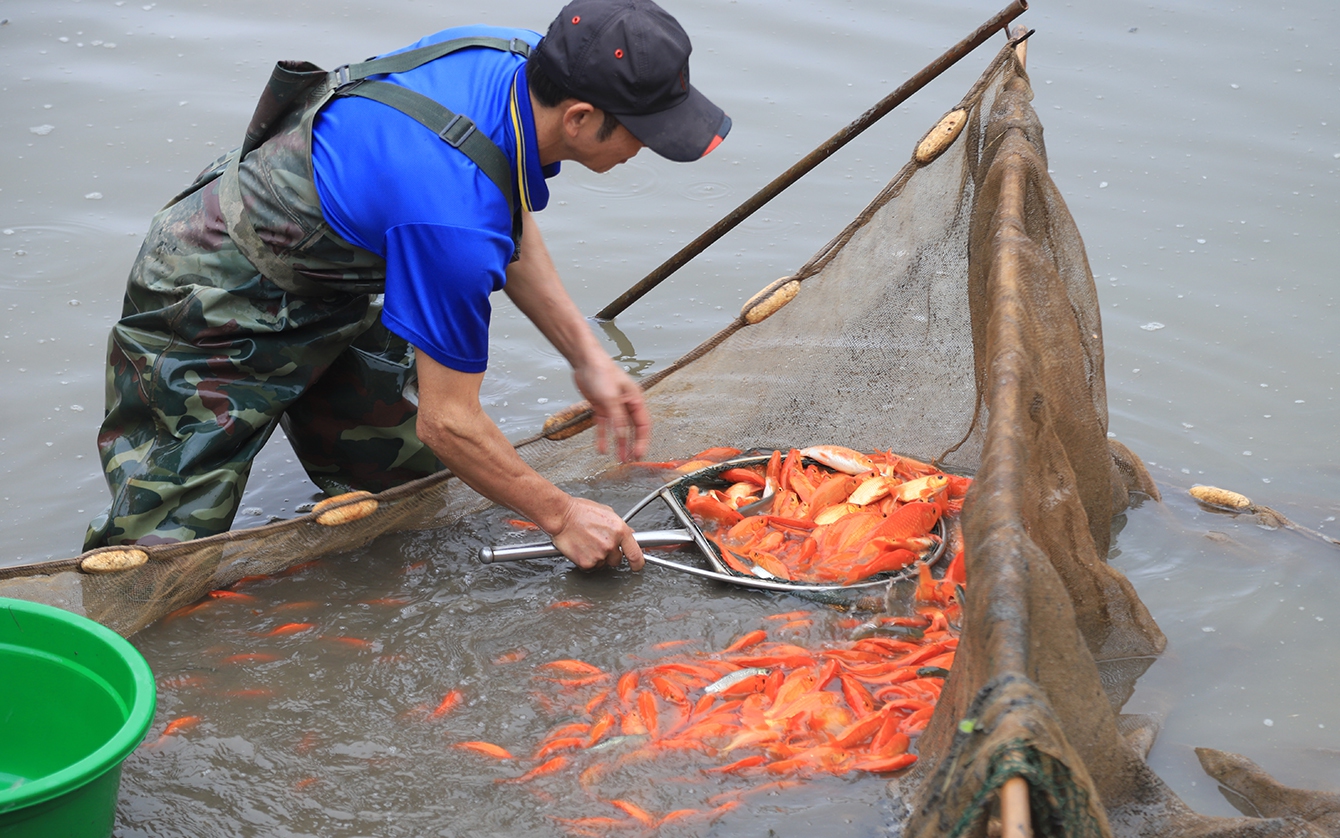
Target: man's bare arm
[[534, 285], [452, 423]]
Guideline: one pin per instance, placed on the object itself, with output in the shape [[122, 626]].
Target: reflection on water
[[1195, 143], [626, 354]]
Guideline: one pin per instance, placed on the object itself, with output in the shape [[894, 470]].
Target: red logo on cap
[[618, 53], [576, 19]]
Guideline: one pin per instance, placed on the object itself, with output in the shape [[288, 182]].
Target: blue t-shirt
[[391, 186]]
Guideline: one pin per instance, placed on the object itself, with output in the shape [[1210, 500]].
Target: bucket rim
[[110, 755]]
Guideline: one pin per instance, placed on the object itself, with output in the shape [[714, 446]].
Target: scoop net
[[955, 319]]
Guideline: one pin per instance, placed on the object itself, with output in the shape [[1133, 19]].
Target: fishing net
[[954, 319]]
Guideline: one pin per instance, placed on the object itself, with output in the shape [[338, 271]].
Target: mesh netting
[[955, 318]]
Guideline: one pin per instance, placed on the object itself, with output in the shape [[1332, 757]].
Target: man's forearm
[[475, 450], [454, 425], [533, 284]]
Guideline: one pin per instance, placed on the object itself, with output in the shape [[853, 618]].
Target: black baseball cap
[[630, 58]]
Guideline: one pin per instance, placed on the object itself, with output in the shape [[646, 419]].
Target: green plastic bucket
[[75, 700]]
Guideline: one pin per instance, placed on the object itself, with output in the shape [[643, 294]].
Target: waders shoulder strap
[[456, 130], [296, 91], [402, 61]]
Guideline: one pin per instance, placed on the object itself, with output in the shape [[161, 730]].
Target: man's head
[[630, 60]]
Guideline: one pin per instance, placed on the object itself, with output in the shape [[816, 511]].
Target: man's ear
[[575, 115]]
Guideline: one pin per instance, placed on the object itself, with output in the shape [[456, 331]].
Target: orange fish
[[670, 644], [488, 749], [738, 765], [510, 657], [599, 729], [860, 730], [627, 683], [668, 691], [646, 706], [858, 697], [710, 508], [694, 465], [678, 814], [635, 811], [790, 615], [883, 765], [718, 454], [540, 770], [584, 681], [289, 628], [233, 595], [753, 638], [185, 610], [305, 783], [566, 744], [353, 642], [309, 741], [449, 702], [910, 521], [570, 603], [840, 458], [576, 667], [306, 605], [176, 726], [743, 475], [596, 700]]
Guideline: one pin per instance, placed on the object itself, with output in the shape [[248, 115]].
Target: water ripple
[[63, 254], [706, 190], [631, 180]]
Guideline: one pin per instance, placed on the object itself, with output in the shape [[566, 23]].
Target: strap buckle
[[519, 47], [341, 76], [457, 131]]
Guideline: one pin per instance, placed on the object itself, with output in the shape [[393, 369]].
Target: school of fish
[[831, 515], [764, 711], [762, 707]]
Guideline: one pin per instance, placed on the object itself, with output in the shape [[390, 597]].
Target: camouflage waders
[[244, 309]]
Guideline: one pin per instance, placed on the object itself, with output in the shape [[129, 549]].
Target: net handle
[[929, 73]]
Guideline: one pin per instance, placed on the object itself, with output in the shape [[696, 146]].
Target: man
[[254, 298]]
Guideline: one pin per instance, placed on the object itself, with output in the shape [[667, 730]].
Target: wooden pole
[[1016, 32], [1016, 821], [998, 22]]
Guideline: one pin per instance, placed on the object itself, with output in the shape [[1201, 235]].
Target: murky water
[[337, 717], [1197, 145]]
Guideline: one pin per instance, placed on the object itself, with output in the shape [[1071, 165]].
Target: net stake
[[814, 158], [1015, 819]]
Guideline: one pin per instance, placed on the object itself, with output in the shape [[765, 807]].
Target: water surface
[[1197, 146]]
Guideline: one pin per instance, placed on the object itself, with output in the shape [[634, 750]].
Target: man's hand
[[454, 425], [621, 414], [620, 411], [592, 535]]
